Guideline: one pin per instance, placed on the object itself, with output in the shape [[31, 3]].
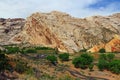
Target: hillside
[[60, 30]]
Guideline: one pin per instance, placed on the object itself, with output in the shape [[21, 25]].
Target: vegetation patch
[[64, 56]]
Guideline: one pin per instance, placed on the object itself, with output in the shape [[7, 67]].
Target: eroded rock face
[[9, 28], [67, 33]]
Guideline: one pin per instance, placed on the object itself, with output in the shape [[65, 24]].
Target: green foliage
[[106, 61], [21, 67], [103, 56], [0, 51], [4, 62], [64, 56], [91, 67], [114, 66], [30, 71], [10, 49], [66, 78], [43, 48], [83, 61], [52, 58], [47, 77], [102, 50], [110, 56], [29, 50], [88, 57], [102, 64]]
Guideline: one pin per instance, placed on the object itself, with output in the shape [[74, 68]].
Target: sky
[[76, 8]]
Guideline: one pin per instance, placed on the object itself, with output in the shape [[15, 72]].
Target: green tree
[[102, 50], [102, 64], [114, 66], [52, 59], [110, 57], [64, 57], [103, 57], [83, 61]]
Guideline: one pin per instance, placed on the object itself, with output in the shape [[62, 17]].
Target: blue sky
[[76, 8]]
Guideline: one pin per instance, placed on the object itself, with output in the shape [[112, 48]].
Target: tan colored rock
[[113, 45], [60, 30], [57, 29], [9, 28]]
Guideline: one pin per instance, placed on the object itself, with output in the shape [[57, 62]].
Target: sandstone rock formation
[[57, 29], [9, 28], [60, 30], [112, 46]]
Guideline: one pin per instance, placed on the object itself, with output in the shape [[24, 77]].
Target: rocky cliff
[[9, 28], [60, 30]]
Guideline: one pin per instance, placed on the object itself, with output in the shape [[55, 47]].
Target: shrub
[[89, 58], [83, 61], [0, 51], [114, 66], [21, 67], [43, 48], [30, 50], [64, 57], [66, 77], [3, 62], [102, 50], [10, 50], [103, 56], [52, 59], [110, 56], [91, 67], [102, 64]]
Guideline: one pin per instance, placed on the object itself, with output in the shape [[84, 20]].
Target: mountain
[[60, 30]]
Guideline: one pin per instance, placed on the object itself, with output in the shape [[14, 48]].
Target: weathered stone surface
[[9, 28], [67, 33], [60, 30]]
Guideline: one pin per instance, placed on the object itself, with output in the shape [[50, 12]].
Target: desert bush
[[91, 67], [83, 61], [47, 77], [103, 56], [102, 50], [29, 50], [114, 66], [66, 77], [64, 56], [52, 59], [43, 48], [21, 67], [4, 62], [110, 56], [102, 64], [11, 49]]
